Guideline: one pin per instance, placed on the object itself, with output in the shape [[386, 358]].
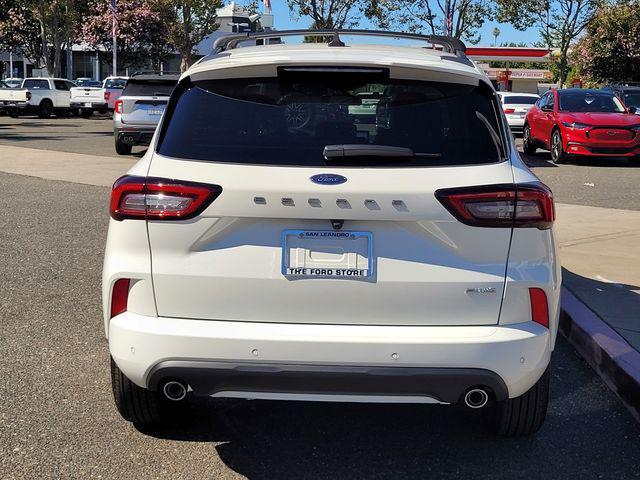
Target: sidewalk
[[69, 167], [599, 250]]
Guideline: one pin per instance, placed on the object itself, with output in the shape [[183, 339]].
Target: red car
[[576, 122]]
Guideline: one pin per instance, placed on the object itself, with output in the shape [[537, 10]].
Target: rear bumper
[[516, 123], [220, 358], [322, 382], [575, 148], [94, 105], [135, 136]]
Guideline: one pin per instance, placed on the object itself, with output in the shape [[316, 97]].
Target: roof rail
[[448, 44], [155, 72]]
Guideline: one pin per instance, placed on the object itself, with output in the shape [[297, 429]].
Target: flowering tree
[[19, 31], [189, 23], [41, 29], [610, 51], [142, 33]]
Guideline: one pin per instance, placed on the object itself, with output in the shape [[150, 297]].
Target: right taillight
[[118, 106], [148, 198], [28, 96], [107, 95], [539, 307], [509, 110], [501, 206]]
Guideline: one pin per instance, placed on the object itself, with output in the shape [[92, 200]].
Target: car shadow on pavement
[[265, 440], [543, 159]]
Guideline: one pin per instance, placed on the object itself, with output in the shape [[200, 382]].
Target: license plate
[[87, 104], [327, 253]]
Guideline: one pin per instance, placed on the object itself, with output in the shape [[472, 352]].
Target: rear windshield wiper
[[331, 152]]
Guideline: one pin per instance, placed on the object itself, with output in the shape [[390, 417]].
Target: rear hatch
[[144, 99], [518, 106], [87, 95], [328, 211]]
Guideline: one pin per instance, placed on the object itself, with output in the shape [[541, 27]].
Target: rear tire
[[144, 408], [46, 109], [528, 146], [523, 415], [123, 148], [558, 156]]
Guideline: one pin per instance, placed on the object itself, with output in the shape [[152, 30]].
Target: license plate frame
[[327, 272]]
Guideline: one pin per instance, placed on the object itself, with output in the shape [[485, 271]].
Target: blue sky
[[284, 21]]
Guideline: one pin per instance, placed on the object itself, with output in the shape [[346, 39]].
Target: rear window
[[149, 88], [115, 83], [292, 119], [36, 84], [589, 101], [632, 99], [519, 100]]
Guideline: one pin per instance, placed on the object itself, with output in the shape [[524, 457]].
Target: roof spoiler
[[448, 44]]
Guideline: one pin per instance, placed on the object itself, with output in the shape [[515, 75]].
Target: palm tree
[[496, 34]]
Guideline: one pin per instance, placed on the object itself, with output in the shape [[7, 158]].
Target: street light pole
[[115, 41]]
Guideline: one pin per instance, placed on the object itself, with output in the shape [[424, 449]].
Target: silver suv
[[139, 109]]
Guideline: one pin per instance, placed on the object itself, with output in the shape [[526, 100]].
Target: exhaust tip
[[174, 390], [476, 398]]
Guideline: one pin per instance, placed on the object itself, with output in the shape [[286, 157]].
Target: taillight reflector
[[159, 198], [525, 205], [118, 106], [119, 296], [539, 307]]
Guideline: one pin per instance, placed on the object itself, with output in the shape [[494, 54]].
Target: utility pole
[[114, 13]]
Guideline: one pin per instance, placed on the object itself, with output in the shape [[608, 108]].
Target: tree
[[191, 22], [457, 18], [560, 22], [333, 14], [19, 31], [610, 51], [496, 34], [41, 29], [141, 33]]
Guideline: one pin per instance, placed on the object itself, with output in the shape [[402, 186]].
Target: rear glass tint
[[289, 120], [36, 84], [519, 100], [149, 88], [115, 83]]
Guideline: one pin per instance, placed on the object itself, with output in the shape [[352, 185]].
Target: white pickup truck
[[88, 98], [42, 96]]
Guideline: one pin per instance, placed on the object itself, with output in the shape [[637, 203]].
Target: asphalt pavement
[[57, 418]]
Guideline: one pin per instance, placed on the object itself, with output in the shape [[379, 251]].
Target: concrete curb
[[617, 363]]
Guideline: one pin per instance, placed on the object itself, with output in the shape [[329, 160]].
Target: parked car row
[[47, 96]]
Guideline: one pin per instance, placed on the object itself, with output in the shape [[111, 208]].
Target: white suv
[[330, 223]]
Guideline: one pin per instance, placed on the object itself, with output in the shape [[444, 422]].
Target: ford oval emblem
[[328, 179]]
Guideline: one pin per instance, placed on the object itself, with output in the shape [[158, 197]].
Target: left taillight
[[509, 110], [118, 106], [501, 206], [119, 296], [159, 198]]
